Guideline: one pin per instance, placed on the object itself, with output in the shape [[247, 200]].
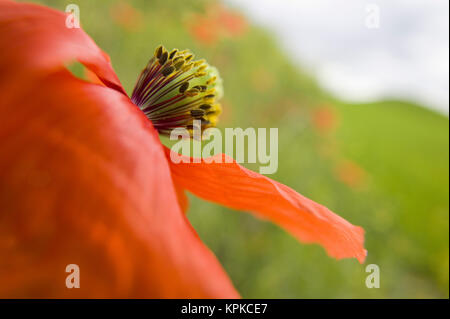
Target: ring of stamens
[[174, 91]]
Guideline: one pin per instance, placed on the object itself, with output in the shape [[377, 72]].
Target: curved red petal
[[37, 38], [234, 186], [84, 180], [183, 200]]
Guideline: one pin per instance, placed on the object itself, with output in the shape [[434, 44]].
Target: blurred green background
[[383, 166]]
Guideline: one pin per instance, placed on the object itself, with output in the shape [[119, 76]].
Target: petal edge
[[234, 186]]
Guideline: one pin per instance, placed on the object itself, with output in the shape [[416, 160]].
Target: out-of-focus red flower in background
[[85, 180], [351, 174], [218, 22], [125, 15], [205, 30], [325, 119], [234, 24]]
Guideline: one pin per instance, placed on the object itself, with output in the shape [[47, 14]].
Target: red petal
[[36, 37], [234, 186], [183, 201], [84, 180]]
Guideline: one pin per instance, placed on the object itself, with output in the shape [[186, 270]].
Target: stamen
[[174, 91]]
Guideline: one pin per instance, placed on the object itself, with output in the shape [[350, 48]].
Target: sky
[[365, 50]]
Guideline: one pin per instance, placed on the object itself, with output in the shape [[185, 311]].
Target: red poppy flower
[[85, 180]]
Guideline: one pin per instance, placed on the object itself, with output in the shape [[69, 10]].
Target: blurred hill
[[383, 166]]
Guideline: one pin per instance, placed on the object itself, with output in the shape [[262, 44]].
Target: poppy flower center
[[173, 91]]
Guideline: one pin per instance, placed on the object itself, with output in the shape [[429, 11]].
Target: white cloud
[[406, 57]]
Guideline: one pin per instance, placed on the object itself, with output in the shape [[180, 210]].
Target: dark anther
[[184, 87], [167, 70]]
